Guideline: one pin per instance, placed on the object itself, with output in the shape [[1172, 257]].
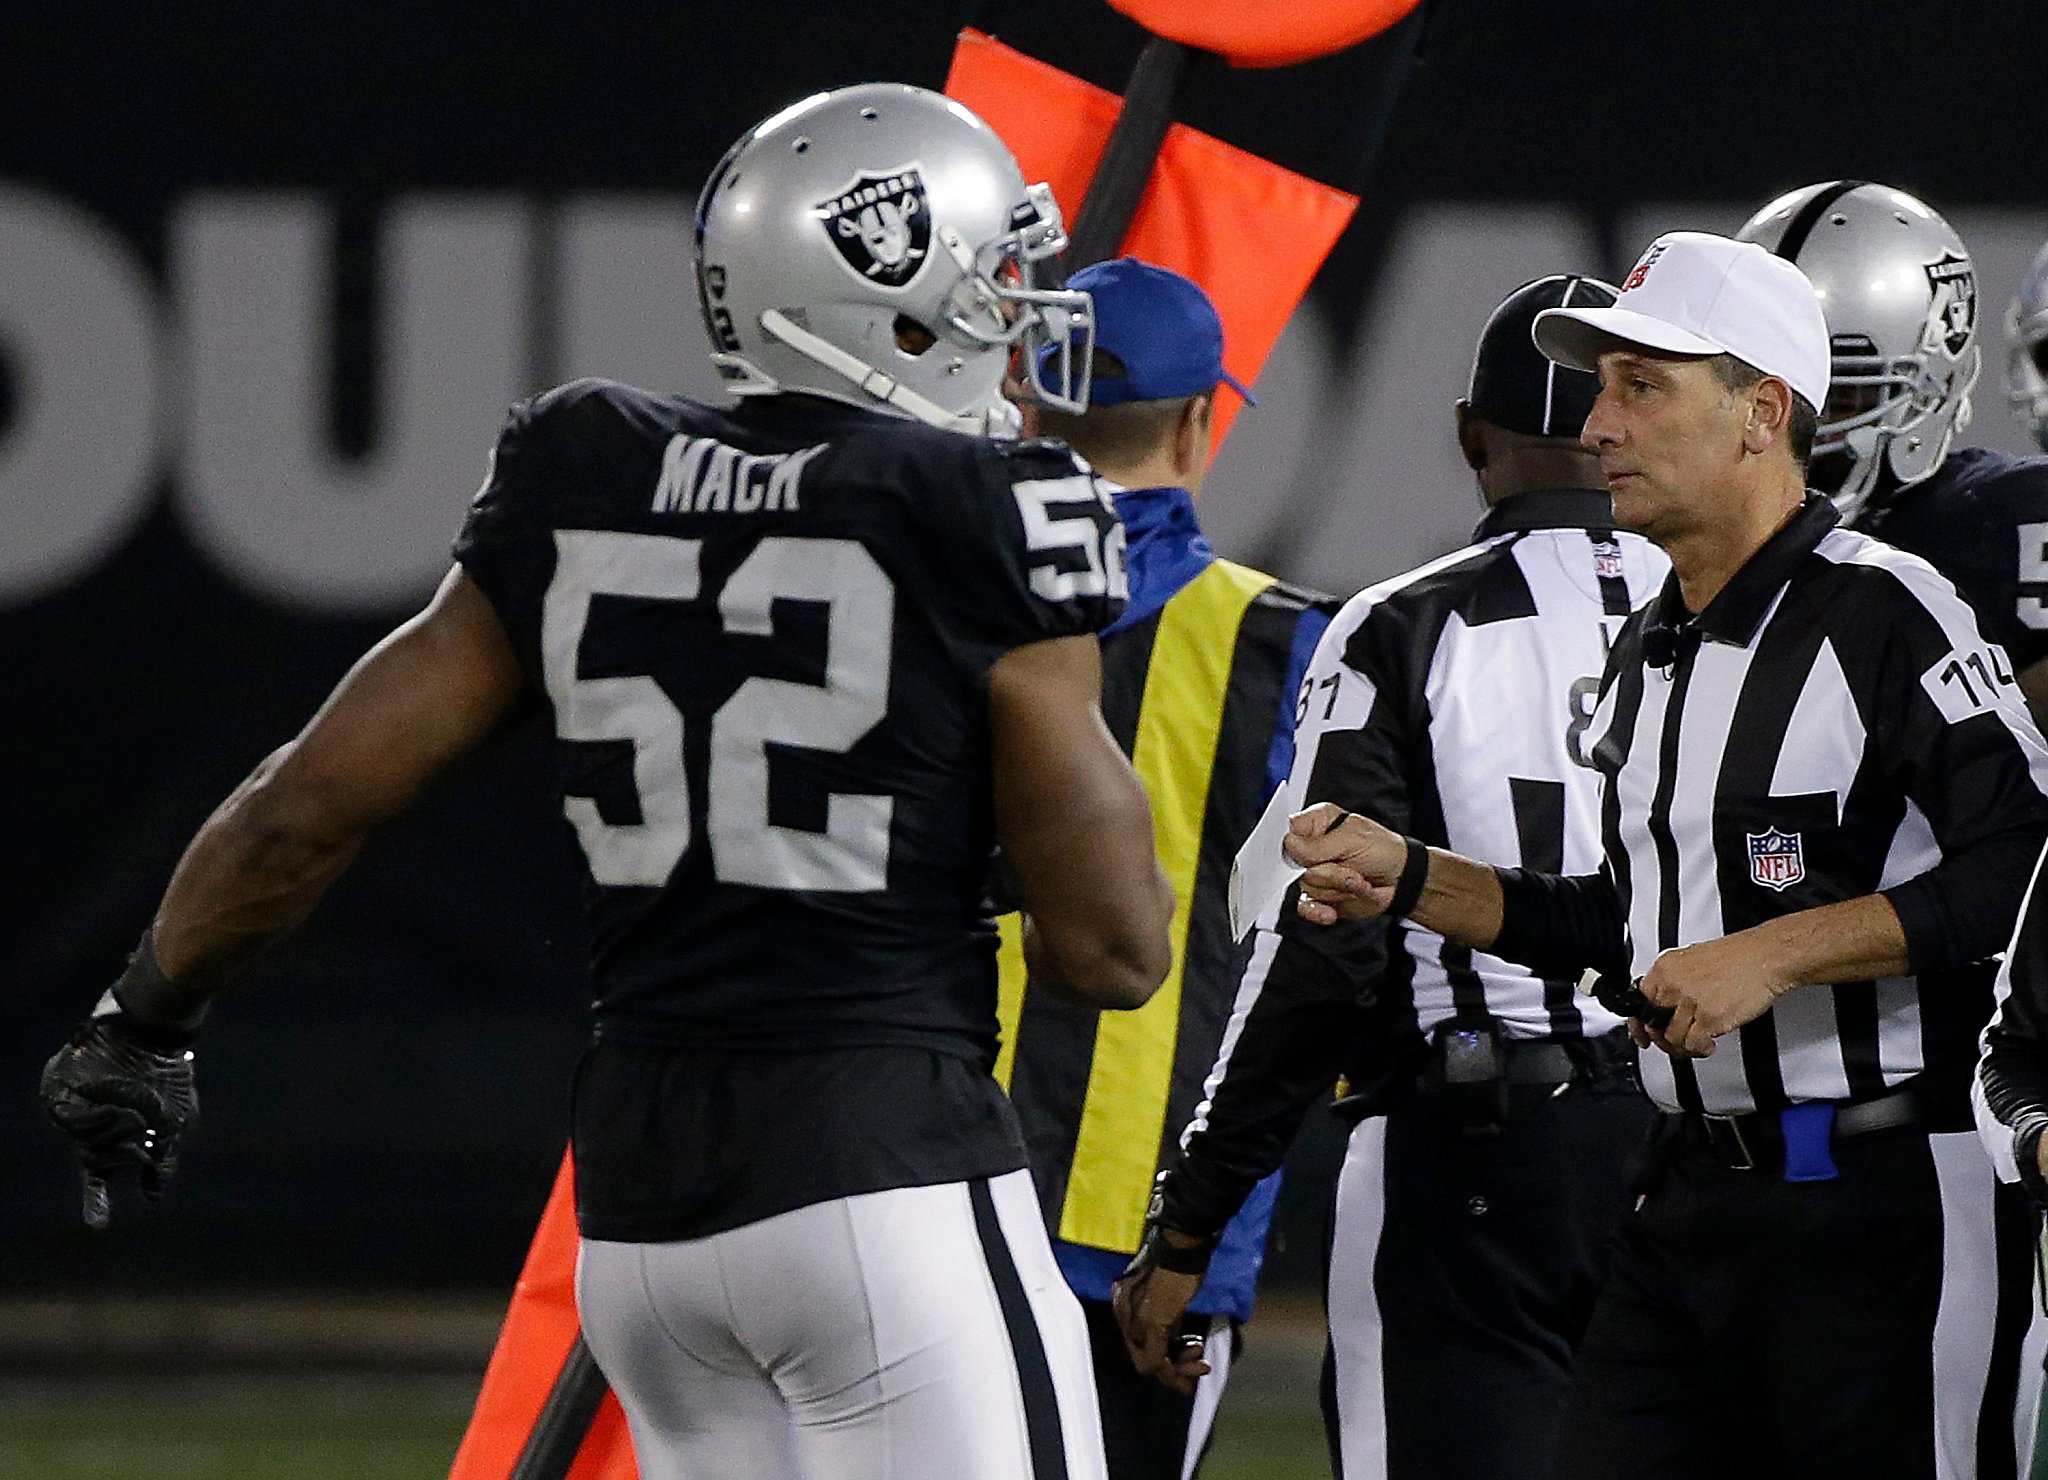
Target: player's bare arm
[[1077, 828], [431, 691], [121, 1090]]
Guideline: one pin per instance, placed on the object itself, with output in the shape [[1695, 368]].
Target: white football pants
[[922, 1333]]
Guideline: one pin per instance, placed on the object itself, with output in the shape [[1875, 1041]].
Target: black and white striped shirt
[[1453, 703], [1832, 725]]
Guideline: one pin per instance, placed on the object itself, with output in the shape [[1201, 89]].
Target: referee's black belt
[[1756, 1140], [1546, 1062]]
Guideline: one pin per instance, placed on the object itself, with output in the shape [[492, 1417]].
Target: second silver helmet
[[2026, 333], [1900, 294]]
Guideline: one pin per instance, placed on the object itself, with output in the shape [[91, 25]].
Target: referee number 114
[[1964, 684]]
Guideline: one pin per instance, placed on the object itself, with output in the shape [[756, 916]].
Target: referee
[[1823, 793], [1495, 1112], [1199, 677]]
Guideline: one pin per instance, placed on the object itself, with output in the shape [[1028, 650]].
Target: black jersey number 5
[[2033, 581], [1077, 535], [852, 853]]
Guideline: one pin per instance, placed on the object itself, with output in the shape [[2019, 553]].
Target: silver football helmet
[[878, 245], [2026, 334], [1900, 295]]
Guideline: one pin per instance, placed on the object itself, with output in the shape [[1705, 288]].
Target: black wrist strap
[[156, 1007], [1154, 1252], [1157, 1253], [1414, 874], [2026, 1147]]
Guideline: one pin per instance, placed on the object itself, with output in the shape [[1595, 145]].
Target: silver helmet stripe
[[1800, 227]]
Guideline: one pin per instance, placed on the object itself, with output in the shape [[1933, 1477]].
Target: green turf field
[[405, 1428], [1262, 1438], [402, 1428], [232, 1429]]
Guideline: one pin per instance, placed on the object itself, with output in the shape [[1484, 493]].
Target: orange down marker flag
[[539, 1330], [1252, 234]]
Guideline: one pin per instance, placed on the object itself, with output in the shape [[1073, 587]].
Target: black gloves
[[121, 1091]]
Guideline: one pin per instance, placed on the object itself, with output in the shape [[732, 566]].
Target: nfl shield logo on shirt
[[1607, 560], [1776, 860]]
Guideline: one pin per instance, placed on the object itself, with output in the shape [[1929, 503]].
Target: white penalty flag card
[[1261, 872]]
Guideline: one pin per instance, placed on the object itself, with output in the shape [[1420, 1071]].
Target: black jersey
[[765, 634], [1981, 519]]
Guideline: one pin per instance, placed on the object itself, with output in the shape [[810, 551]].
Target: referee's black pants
[[1866, 1328], [1463, 1269]]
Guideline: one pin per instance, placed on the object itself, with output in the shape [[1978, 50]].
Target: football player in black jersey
[[1900, 293], [807, 659]]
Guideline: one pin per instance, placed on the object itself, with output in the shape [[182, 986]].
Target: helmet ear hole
[[912, 337]]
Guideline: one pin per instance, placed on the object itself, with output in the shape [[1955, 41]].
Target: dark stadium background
[[385, 1109]]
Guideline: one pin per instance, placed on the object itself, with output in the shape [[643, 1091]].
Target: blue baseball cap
[[1161, 326]]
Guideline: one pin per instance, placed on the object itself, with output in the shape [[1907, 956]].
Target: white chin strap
[[1000, 419]]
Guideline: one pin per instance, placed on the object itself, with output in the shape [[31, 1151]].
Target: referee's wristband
[[1156, 1252], [1414, 874]]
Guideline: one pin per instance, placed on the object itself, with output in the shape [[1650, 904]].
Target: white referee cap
[[1693, 293]]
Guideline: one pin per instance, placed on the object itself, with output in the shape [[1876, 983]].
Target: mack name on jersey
[[700, 475]]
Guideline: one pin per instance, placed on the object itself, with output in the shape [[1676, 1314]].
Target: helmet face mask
[[877, 245], [1900, 295], [998, 305], [1892, 409]]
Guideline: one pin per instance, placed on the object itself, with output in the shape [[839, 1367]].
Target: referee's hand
[[1352, 863], [1150, 1304], [1711, 988]]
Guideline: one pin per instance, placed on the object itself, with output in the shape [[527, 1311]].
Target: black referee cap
[[1513, 385]]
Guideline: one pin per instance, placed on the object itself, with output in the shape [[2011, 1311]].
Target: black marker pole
[[1126, 166], [565, 1419]]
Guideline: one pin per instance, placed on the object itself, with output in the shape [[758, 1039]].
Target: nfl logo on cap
[[1776, 859]]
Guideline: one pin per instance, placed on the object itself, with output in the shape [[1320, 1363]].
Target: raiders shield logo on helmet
[[1776, 859], [881, 224], [1955, 300]]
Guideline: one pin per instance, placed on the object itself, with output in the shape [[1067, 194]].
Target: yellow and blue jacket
[[1199, 687]]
